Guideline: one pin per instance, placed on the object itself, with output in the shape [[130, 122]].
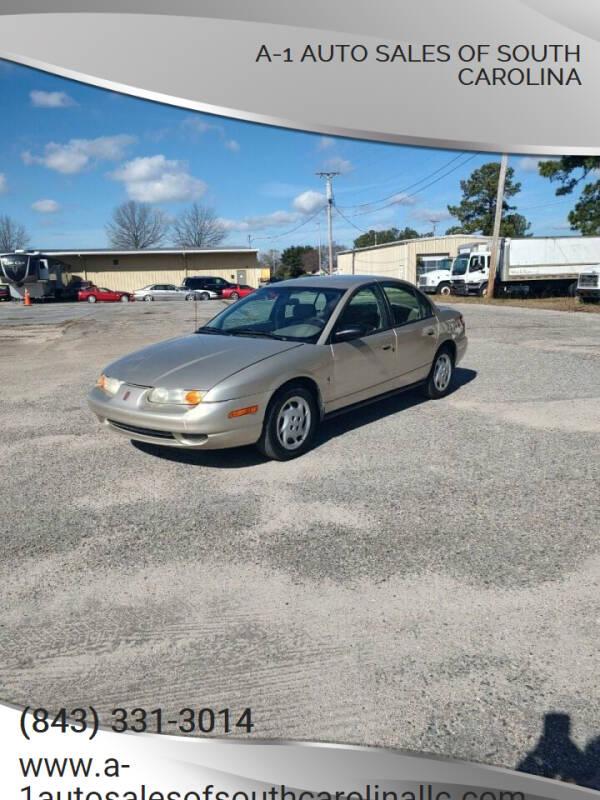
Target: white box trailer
[[534, 266]]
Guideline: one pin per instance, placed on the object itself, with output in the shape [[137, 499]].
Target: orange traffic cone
[[27, 298]]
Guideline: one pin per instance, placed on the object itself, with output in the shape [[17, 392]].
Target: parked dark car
[[4, 291], [206, 282]]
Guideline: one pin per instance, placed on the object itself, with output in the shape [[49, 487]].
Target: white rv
[[31, 271]]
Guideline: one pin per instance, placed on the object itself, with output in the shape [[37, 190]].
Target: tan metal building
[[129, 270], [402, 259]]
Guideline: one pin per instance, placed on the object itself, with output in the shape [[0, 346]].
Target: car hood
[[197, 361]]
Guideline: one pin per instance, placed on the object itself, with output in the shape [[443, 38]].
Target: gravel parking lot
[[426, 578]]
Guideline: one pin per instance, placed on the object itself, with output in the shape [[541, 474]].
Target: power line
[[413, 194], [410, 186], [292, 230]]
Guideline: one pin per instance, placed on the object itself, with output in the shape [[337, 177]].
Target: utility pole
[[434, 223], [319, 229], [329, 194], [249, 240], [496, 232]]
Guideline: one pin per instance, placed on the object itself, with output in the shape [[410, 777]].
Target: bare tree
[[13, 236], [136, 226], [270, 259], [198, 226]]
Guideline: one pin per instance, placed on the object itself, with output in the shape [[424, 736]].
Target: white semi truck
[[33, 271], [531, 267], [588, 285]]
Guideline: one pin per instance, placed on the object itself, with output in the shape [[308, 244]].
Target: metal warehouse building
[[405, 259], [129, 270]]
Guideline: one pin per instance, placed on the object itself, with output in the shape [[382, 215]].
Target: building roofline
[[418, 239], [147, 251]]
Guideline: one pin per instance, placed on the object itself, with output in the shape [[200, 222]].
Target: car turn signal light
[[240, 412]]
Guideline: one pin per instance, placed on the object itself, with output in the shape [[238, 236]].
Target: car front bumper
[[206, 426]]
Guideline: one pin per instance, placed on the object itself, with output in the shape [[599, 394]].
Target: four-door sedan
[[237, 291], [93, 294], [271, 367], [168, 291]]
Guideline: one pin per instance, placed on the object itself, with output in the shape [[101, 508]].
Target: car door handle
[[430, 332], [388, 347]]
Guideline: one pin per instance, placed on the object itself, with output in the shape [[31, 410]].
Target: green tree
[[291, 260], [384, 236], [477, 208], [569, 171]]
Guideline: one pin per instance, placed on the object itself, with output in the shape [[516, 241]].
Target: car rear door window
[[405, 304]]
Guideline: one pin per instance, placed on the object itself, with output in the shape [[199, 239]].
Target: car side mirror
[[347, 333]]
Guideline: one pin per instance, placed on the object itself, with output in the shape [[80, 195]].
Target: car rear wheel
[[234, 296], [290, 424], [91, 299], [204, 296], [444, 289], [483, 290], [148, 298], [440, 375]]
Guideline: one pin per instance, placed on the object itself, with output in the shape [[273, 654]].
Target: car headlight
[[179, 397], [109, 385]]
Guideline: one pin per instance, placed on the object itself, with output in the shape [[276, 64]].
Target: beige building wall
[[399, 259], [137, 270]]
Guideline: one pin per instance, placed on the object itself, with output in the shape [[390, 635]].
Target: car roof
[[337, 281]]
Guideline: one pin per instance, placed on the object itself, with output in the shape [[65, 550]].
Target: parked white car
[[168, 291]]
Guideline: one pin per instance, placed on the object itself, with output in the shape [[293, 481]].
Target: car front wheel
[[148, 298], [290, 424], [234, 296], [91, 299], [440, 375], [124, 298]]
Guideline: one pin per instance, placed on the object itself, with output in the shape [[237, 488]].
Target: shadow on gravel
[[557, 756], [372, 412], [249, 456]]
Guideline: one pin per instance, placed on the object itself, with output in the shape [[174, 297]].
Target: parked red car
[[235, 292], [95, 295]]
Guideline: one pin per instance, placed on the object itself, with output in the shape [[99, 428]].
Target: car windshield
[[460, 265], [281, 312]]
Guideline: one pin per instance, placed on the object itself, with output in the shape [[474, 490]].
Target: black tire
[[234, 296], [190, 297], [205, 296], [483, 290], [433, 388], [445, 289], [270, 442]]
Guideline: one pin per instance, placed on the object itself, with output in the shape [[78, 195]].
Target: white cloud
[[431, 215], [50, 99], [338, 164], [198, 125], [402, 199], [77, 154], [259, 222], [308, 201], [3, 183], [531, 163], [45, 206], [325, 142], [155, 179]]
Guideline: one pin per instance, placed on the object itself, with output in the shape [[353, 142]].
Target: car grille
[[422, 281], [142, 431], [588, 280]]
